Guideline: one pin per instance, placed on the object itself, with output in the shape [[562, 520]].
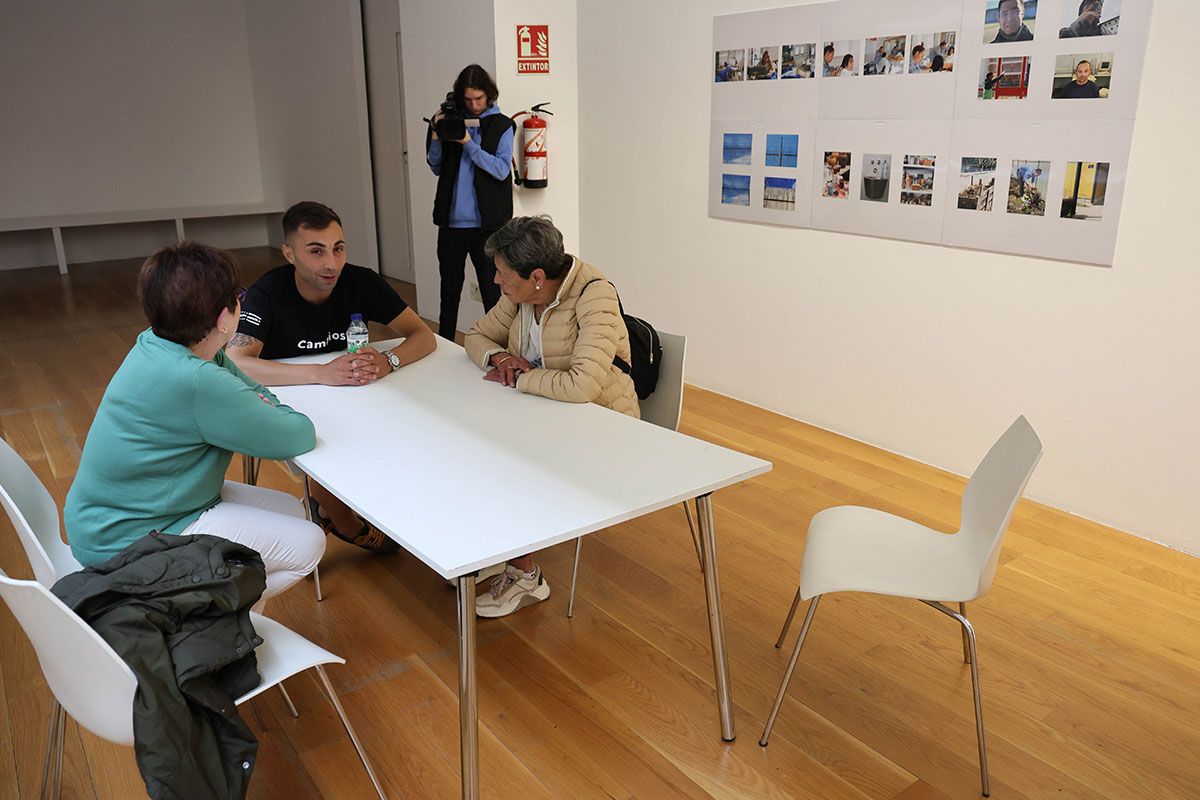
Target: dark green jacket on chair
[[177, 610]]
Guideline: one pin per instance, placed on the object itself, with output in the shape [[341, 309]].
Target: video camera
[[452, 126]]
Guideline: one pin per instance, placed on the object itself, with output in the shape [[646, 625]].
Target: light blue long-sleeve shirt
[[464, 206]]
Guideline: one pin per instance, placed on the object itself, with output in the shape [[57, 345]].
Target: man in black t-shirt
[[304, 307]]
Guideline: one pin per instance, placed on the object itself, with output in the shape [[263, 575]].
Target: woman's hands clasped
[[506, 368]]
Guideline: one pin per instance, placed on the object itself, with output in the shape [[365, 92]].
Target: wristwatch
[[393, 359]]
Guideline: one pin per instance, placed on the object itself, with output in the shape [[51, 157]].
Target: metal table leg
[[716, 624], [467, 712]]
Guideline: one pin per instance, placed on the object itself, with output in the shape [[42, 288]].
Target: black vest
[[494, 197]]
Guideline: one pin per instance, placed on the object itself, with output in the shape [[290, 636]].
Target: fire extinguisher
[[533, 173]]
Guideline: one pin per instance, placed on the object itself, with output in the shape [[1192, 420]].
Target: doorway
[[389, 155]]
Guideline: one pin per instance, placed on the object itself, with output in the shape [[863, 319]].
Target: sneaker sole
[[539, 593]]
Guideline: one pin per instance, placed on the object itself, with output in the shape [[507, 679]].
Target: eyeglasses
[[241, 295]]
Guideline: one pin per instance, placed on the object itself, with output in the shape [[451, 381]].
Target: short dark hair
[[183, 288], [1087, 3], [918, 49], [474, 76], [1085, 61], [308, 214], [1020, 4], [828, 49], [529, 243]]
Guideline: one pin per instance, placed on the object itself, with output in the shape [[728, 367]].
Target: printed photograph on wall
[[1004, 78], [1009, 21], [884, 55], [763, 64], [840, 59], [798, 61], [1027, 185], [931, 52], [916, 184], [731, 65], [977, 184], [779, 193], [1090, 18], [876, 177], [1084, 76], [836, 175], [736, 147], [735, 190], [1083, 190], [782, 149]]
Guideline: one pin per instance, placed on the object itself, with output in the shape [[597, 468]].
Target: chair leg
[[973, 660], [337, 705], [579, 544], [258, 720], [574, 575], [308, 516], [787, 675], [687, 511], [787, 623], [249, 470], [51, 740], [60, 725], [962, 609], [291, 707]]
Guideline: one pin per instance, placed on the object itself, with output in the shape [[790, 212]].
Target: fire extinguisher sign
[[533, 49]]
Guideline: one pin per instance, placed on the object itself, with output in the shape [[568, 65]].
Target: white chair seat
[[906, 559], [282, 654]]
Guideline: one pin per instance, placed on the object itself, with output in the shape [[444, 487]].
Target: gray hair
[[529, 243]]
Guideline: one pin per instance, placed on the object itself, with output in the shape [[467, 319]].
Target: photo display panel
[[1002, 125]]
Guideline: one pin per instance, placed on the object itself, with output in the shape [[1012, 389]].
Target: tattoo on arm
[[243, 340]]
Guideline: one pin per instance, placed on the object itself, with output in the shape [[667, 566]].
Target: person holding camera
[[469, 147]]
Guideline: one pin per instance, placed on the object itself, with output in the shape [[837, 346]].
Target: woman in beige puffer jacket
[[554, 333], [556, 328]]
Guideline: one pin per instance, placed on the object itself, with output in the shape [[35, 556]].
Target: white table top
[[465, 473]]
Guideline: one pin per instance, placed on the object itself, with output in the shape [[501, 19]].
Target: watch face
[[394, 360]]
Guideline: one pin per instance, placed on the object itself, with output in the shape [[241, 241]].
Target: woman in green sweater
[[173, 415]]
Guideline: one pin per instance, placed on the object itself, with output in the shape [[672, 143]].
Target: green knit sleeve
[[235, 413]]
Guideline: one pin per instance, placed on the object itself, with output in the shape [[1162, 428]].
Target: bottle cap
[[356, 317]]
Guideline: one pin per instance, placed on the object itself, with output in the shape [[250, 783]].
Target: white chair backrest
[[86, 675], [35, 516], [993, 492], [665, 405]]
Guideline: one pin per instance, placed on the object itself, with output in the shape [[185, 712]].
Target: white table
[[429, 453]]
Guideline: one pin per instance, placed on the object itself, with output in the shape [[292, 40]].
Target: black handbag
[[645, 349]]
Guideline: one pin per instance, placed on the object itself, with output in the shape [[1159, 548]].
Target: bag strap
[[620, 363]]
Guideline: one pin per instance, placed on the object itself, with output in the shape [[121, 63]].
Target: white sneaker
[[511, 591], [484, 574]]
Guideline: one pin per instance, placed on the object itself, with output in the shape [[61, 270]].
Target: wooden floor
[[1089, 641]]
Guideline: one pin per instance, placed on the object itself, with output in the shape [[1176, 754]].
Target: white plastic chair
[[663, 408], [95, 686], [855, 549], [68, 649]]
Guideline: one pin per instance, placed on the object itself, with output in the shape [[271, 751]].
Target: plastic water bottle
[[356, 334]]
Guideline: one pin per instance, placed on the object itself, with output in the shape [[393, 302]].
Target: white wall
[[309, 84], [561, 88], [438, 38], [926, 351], [108, 107]]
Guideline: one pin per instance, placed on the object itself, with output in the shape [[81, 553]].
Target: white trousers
[[271, 523]]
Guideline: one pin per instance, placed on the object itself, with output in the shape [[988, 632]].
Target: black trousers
[[453, 247]]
